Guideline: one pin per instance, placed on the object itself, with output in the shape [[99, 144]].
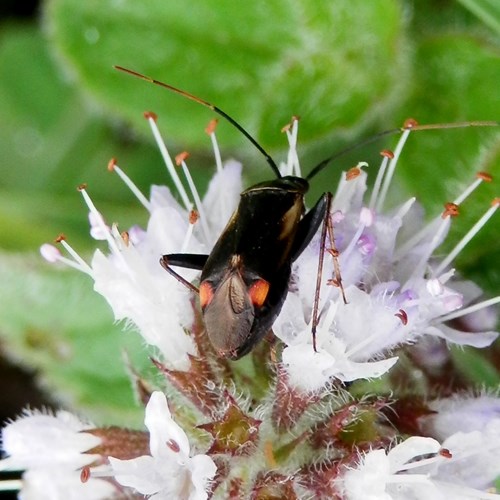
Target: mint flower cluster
[[286, 421]]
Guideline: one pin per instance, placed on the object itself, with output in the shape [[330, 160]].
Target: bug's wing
[[228, 314]]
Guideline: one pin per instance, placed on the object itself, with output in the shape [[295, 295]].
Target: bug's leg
[[337, 281], [327, 197], [189, 261]]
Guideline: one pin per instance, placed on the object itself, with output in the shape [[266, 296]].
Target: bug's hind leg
[[188, 261]]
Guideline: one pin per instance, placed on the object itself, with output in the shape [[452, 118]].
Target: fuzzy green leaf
[[336, 64], [55, 323]]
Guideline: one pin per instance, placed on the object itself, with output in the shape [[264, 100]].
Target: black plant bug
[[244, 281]]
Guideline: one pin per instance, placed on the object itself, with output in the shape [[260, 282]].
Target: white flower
[[475, 459], [384, 476], [40, 439], [52, 449], [309, 370], [130, 276], [395, 292], [470, 428], [169, 472]]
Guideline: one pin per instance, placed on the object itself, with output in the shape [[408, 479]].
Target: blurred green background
[[348, 68]]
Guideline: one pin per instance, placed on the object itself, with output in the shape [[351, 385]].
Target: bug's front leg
[[308, 226]]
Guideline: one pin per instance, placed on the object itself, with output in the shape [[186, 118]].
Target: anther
[[181, 157], [125, 237], [111, 164], [85, 474], [212, 125], [289, 125], [149, 115], [173, 445], [82, 187], [450, 210], [409, 123], [444, 452], [485, 176], [352, 173], [193, 217], [387, 153], [60, 238], [402, 316]]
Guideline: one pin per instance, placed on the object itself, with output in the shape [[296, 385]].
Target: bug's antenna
[[214, 108], [409, 124]]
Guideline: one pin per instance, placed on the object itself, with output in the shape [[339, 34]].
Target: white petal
[[460, 414], [59, 484], [39, 439], [141, 473], [412, 447], [163, 429], [368, 481], [203, 469], [475, 458], [222, 196], [474, 339]]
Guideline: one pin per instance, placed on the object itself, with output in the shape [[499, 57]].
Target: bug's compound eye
[[258, 291], [206, 293]]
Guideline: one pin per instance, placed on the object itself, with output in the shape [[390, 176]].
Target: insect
[[244, 280]]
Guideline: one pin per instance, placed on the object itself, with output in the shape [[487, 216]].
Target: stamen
[[470, 234], [193, 217], [365, 220], [468, 310], [113, 167], [81, 265], [425, 461], [387, 156], [391, 168], [480, 177], [100, 222], [210, 130], [292, 163], [431, 246], [180, 161], [420, 235], [405, 208], [151, 117]]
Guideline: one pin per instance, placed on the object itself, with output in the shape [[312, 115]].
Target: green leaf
[[51, 140], [475, 367], [457, 81], [488, 11], [55, 323], [336, 63]]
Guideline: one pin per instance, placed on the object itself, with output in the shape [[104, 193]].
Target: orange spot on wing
[[206, 294], [258, 292]]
